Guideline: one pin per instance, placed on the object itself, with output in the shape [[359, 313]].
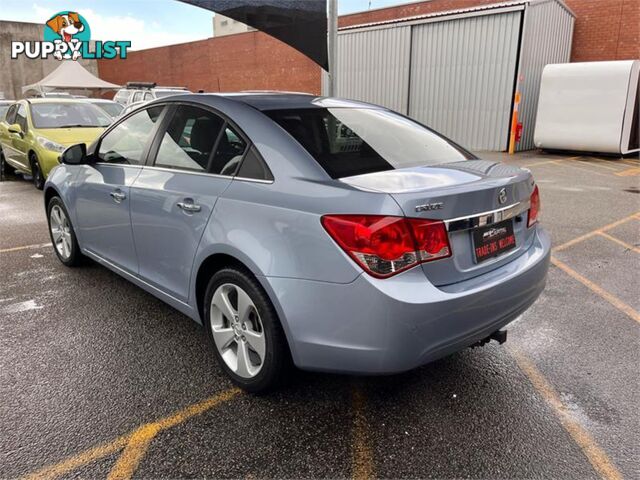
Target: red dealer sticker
[[494, 240]]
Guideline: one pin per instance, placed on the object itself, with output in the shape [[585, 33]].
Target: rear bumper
[[373, 326]]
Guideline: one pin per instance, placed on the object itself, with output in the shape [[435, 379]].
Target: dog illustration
[[66, 26]]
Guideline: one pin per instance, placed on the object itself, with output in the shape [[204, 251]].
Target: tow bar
[[499, 336]]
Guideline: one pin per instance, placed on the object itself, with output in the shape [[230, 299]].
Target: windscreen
[[355, 141], [113, 109], [67, 115]]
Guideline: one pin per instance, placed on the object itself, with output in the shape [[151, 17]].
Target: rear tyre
[[245, 331], [4, 166], [36, 172], [64, 240]]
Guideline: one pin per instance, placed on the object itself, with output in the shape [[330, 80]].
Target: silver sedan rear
[[328, 234]]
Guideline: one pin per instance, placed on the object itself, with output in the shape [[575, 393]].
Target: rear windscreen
[[354, 141]]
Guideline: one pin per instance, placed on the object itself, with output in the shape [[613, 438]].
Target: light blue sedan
[[327, 234]]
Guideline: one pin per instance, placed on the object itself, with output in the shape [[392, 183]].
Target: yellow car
[[33, 133]]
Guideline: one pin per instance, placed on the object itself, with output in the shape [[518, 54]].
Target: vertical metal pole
[[332, 46]]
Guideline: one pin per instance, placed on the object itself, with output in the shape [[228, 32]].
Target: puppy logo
[[70, 28], [67, 36]]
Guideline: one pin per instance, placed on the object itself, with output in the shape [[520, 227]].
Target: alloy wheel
[[237, 330], [60, 231]]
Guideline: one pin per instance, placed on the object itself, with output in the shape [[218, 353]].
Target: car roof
[[56, 100], [264, 101], [99, 100]]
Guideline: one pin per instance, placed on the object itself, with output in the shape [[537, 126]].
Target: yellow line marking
[[25, 247], [133, 441], [362, 460], [581, 167], [596, 232], [598, 290], [626, 245], [629, 172], [543, 162], [630, 162], [77, 461], [596, 456], [137, 447], [596, 163]]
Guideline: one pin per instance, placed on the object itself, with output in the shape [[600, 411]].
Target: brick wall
[[246, 61], [605, 30]]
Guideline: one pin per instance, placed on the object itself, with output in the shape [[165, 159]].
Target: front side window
[[136, 97], [68, 115], [355, 141], [3, 111], [21, 117], [11, 114], [127, 142], [189, 140]]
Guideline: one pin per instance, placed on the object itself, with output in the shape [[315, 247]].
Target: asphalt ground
[[100, 379]]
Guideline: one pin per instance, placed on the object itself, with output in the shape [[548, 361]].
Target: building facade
[[223, 26], [19, 72]]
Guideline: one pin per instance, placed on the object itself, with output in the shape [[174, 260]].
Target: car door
[[19, 143], [5, 136], [173, 198], [103, 189]]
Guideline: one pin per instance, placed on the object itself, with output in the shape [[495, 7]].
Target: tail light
[[383, 245], [534, 208]]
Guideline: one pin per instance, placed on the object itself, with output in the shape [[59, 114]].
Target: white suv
[[143, 92]]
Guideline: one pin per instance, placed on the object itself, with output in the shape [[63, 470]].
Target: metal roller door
[[373, 66], [463, 77]]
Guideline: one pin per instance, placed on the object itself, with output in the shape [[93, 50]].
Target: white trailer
[[589, 107]]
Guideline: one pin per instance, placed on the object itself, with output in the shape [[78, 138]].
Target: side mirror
[[75, 155], [15, 128]]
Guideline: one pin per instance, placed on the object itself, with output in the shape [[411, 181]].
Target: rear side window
[[254, 167], [229, 153], [189, 139], [127, 142], [355, 141]]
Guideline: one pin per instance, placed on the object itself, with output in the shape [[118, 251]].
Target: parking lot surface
[[100, 379]]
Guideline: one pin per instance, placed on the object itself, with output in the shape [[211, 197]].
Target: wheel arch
[[219, 260], [49, 193]]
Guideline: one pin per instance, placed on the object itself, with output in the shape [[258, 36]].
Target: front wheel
[[62, 235], [247, 337], [36, 173]]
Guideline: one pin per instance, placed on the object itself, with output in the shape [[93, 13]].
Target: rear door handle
[[118, 196], [188, 206]]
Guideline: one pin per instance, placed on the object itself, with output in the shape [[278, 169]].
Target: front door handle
[[118, 196], [188, 206]]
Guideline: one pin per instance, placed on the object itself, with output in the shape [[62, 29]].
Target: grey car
[[328, 234]]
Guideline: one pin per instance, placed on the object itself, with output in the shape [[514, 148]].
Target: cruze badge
[[427, 207], [502, 196]]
